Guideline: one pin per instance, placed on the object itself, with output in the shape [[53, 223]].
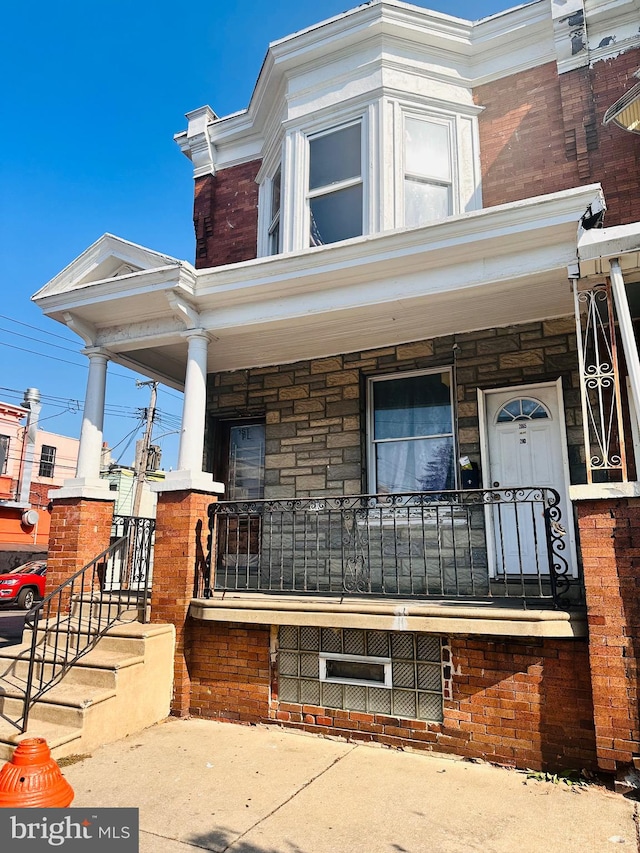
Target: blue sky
[[93, 94]]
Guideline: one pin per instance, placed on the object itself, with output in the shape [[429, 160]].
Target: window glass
[[427, 171], [246, 462], [47, 461], [424, 202], [427, 149], [334, 157], [274, 224], [425, 465], [523, 409], [413, 406], [4, 453], [336, 216], [413, 442]]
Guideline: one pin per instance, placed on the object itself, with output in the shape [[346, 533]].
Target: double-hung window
[[335, 187], [4, 453], [411, 440], [428, 178], [47, 461], [274, 213]]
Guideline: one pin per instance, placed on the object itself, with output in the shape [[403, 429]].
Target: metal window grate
[[416, 691]]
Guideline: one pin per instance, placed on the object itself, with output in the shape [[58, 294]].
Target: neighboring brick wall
[[521, 703], [225, 216], [541, 132], [315, 409], [80, 530], [230, 671], [179, 554], [610, 544]]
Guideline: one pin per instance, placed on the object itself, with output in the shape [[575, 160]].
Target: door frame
[[485, 459]]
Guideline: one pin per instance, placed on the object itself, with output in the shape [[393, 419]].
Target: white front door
[[526, 446]]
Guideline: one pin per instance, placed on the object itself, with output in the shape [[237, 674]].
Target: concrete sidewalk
[[216, 786]]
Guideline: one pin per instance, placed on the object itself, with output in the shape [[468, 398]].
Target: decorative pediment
[[109, 257]]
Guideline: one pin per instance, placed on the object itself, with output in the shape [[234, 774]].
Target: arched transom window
[[522, 409]]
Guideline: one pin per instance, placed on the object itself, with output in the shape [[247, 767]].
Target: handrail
[[96, 612]]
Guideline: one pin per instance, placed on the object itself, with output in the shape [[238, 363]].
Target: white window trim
[[329, 189], [265, 220], [449, 120], [405, 374], [386, 662], [295, 219]]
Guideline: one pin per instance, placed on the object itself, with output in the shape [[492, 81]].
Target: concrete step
[[97, 667], [119, 686], [61, 739], [127, 604]]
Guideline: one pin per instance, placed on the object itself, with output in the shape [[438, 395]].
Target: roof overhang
[[494, 267], [597, 247]]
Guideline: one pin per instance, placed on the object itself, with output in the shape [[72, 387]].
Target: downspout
[[32, 403]]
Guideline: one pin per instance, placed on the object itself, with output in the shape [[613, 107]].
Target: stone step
[[60, 738]]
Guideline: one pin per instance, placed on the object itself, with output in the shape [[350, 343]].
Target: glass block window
[[415, 689]]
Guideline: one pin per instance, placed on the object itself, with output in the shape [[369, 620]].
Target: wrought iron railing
[[69, 621], [602, 418], [479, 544], [135, 573]]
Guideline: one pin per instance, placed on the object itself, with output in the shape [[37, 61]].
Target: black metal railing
[[478, 544], [69, 621], [136, 571]]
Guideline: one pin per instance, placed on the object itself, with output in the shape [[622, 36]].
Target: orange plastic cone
[[32, 779]]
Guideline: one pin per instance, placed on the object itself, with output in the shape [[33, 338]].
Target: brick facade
[[225, 216], [179, 554], [230, 672], [520, 703], [315, 410], [80, 529], [610, 540], [541, 132]]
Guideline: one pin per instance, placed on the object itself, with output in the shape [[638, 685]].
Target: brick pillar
[[180, 546], [80, 530], [610, 545]]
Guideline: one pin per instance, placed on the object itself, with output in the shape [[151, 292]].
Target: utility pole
[[142, 458]]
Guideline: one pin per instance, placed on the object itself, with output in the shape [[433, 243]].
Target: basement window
[[377, 672], [351, 669]]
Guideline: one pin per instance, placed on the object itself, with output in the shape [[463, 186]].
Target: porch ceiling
[[495, 267]]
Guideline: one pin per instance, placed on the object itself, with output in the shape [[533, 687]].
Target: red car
[[24, 584]]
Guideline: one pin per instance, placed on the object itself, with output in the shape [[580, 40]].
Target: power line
[[39, 340], [37, 328]]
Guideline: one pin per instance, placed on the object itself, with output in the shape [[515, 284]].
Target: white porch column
[[88, 467], [627, 336], [194, 405], [87, 482], [189, 475]]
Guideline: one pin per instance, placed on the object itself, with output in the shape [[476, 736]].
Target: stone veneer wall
[[316, 410]]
